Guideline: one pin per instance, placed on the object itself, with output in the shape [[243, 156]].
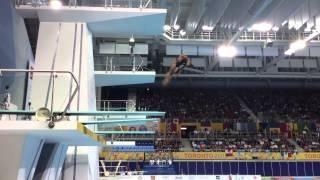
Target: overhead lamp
[[289, 52], [207, 28], [166, 27], [284, 23], [307, 29], [227, 51], [183, 128], [176, 27], [55, 4], [275, 28], [262, 27], [131, 41], [295, 46], [268, 43], [298, 45], [182, 32]]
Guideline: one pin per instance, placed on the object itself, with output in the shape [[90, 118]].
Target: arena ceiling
[[191, 15], [228, 16]]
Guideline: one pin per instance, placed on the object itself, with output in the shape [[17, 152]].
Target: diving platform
[[24, 143], [114, 78], [70, 133], [88, 113]]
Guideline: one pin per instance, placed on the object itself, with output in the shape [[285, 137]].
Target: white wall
[[11, 154], [15, 50], [74, 53], [18, 155]]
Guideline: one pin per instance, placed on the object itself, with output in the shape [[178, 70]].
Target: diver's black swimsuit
[[181, 65]]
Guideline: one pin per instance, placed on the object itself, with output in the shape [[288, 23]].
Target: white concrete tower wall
[[67, 46], [15, 51]]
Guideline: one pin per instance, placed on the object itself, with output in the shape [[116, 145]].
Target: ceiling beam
[[253, 13], [197, 10]]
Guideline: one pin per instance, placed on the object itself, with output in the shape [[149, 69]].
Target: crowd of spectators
[[248, 142], [208, 105], [297, 105], [191, 104], [169, 142], [308, 141]]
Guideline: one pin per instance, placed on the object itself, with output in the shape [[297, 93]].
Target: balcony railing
[[115, 105], [245, 36], [112, 63], [96, 3]]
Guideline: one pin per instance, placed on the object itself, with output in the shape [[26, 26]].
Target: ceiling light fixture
[[284, 23], [275, 28], [55, 4], [227, 51], [176, 27], [182, 32], [262, 27], [295, 46], [298, 45], [166, 27], [207, 28]]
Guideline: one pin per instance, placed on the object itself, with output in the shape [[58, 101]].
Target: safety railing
[[54, 79], [115, 105], [126, 137], [245, 36], [96, 3], [111, 63]]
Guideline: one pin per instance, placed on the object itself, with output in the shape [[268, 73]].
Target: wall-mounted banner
[[185, 177]]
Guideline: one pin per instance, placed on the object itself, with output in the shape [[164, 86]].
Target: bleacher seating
[[133, 148]]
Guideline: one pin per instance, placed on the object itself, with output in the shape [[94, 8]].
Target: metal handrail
[[245, 36], [102, 3], [108, 102], [50, 71]]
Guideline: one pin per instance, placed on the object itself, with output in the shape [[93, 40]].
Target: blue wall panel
[[308, 168], [264, 168], [276, 168], [251, 168], [268, 169], [184, 168], [192, 168], [200, 168], [226, 167], [209, 167], [316, 168], [259, 168], [243, 168], [293, 169], [301, 169], [217, 168], [284, 169], [234, 168]]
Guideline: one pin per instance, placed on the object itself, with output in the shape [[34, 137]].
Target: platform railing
[[53, 75], [112, 64], [97, 3], [115, 105], [219, 35]]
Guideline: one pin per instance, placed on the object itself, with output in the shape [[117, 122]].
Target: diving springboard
[[116, 78], [71, 133], [124, 132], [88, 113], [120, 121]]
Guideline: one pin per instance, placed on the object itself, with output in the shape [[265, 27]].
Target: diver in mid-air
[[176, 67]]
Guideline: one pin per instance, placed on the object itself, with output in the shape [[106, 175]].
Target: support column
[[19, 156], [67, 46]]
